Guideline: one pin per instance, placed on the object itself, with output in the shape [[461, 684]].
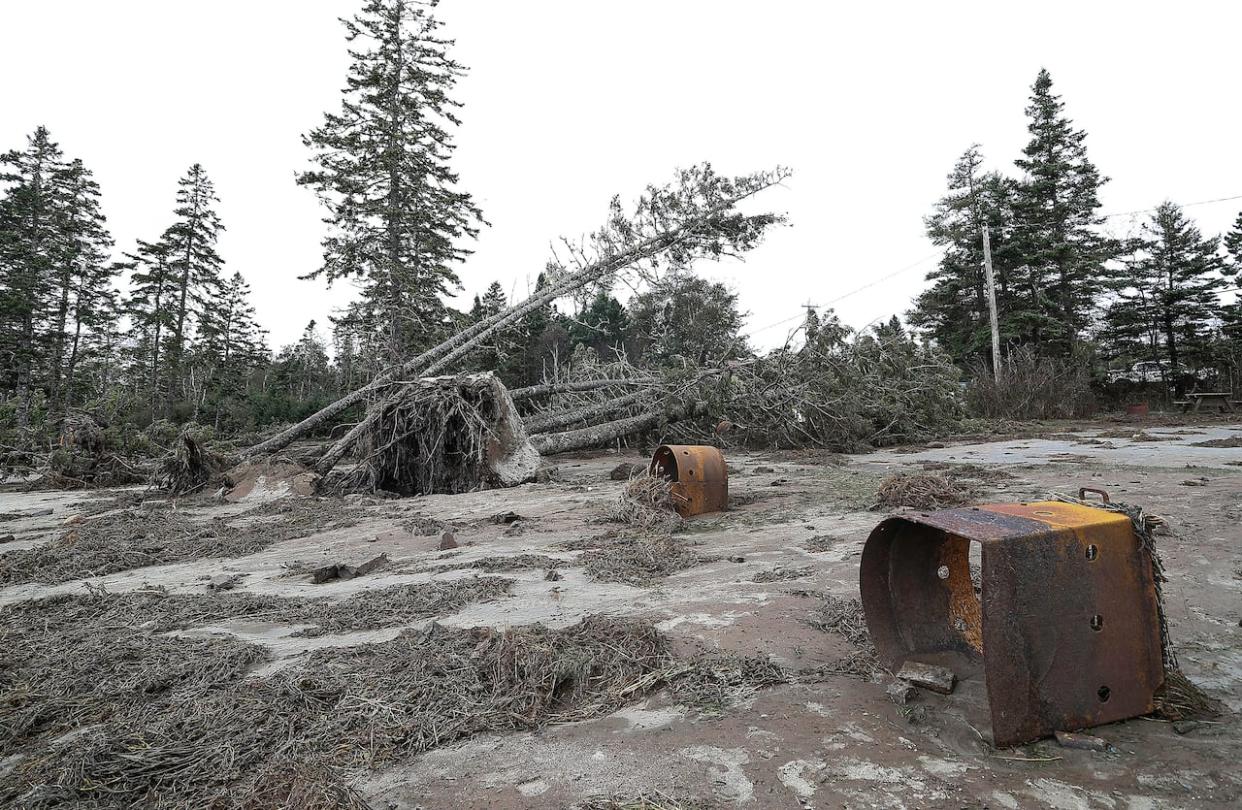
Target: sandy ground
[[835, 744]]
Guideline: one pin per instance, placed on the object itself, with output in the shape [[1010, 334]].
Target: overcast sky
[[568, 102]]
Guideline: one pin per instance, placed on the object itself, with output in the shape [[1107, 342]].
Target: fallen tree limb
[[548, 389], [548, 422], [595, 435], [602, 434]]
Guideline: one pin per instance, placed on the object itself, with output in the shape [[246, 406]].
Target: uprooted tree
[[695, 217]]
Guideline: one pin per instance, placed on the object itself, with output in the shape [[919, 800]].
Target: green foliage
[[684, 319], [1167, 295], [396, 220]]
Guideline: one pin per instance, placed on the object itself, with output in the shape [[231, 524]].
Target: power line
[[855, 291]]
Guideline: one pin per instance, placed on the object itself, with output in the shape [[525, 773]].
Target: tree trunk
[[547, 389], [594, 436], [546, 423]]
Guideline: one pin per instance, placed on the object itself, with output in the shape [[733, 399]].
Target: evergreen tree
[[191, 248], [1233, 246], [397, 221], [150, 307], [30, 247], [1056, 206], [953, 311], [84, 305], [232, 344], [1168, 298], [601, 325], [684, 316]]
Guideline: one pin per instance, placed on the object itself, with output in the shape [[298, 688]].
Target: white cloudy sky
[[569, 102]]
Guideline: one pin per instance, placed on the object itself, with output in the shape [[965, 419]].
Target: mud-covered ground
[[796, 531]]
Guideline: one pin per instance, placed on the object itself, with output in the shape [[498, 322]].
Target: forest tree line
[[1065, 289]]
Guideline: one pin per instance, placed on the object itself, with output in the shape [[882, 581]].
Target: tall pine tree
[[84, 306], [397, 221], [954, 310], [1057, 229], [150, 307], [191, 245], [30, 246]]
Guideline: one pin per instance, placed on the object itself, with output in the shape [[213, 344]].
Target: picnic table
[[1195, 399]]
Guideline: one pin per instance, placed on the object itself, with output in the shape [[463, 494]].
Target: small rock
[[7, 538], [553, 575], [737, 559], [1186, 726], [763, 471], [779, 482], [506, 517], [345, 571], [225, 582], [928, 676], [545, 474], [72, 520], [1193, 483], [627, 470], [935, 445], [900, 692], [1083, 742], [447, 541]]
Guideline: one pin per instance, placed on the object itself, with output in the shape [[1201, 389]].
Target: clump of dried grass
[[400, 604], [821, 542], [647, 801], [845, 617], [923, 491], [782, 574], [646, 503], [638, 559], [712, 682], [132, 539], [498, 563]]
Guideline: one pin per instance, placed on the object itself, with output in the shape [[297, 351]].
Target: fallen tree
[[695, 217]]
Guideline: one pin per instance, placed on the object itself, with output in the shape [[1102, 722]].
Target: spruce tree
[[151, 308], [231, 345], [1233, 246], [84, 300], [953, 311], [1168, 297], [1056, 206], [397, 221], [191, 241], [30, 246]]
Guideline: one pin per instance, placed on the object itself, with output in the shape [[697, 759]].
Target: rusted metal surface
[[699, 475], [1065, 626]]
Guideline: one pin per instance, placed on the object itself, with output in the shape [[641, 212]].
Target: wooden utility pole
[[991, 284]]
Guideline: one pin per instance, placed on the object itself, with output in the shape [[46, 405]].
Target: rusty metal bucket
[[1065, 624], [699, 475]]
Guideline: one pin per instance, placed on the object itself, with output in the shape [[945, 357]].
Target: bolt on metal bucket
[[1063, 619], [699, 476]]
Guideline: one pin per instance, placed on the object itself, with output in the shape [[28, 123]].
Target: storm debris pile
[[639, 559], [133, 538], [646, 503], [923, 491], [198, 732]]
